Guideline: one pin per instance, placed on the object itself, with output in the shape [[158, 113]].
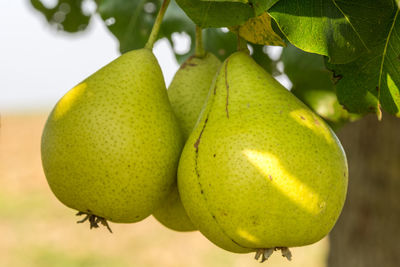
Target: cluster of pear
[[226, 150]]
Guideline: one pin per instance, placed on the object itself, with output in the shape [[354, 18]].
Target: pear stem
[[242, 44], [199, 52], [157, 24]]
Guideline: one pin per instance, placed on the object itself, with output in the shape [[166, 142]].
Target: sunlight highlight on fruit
[[246, 235], [289, 185], [68, 101]]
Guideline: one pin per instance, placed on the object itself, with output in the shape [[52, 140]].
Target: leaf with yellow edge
[[258, 30]]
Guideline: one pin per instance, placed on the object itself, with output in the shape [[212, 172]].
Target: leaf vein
[[385, 50], [351, 25]]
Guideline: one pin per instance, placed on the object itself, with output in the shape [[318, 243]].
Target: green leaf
[[67, 15], [374, 79], [313, 85], [259, 6], [258, 30], [339, 29], [129, 21], [216, 14], [237, 1]]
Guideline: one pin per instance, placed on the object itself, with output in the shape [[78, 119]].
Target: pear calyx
[[94, 220], [265, 253]]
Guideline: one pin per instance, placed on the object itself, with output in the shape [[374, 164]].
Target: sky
[[38, 64]]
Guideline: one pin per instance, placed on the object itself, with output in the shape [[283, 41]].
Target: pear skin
[[187, 93], [260, 171], [189, 89], [111, 145], [172, 215]]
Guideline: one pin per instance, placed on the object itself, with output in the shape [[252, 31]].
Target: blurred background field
[[37, 230]]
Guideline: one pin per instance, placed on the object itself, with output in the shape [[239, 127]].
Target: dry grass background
[[37, 230]]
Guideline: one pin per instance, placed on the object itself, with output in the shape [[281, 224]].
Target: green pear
[[187, 93], [172, 215], [111, 145], [189, 89], [260, 171]]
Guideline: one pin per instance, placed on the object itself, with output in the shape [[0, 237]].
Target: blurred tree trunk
[[368, 231]]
